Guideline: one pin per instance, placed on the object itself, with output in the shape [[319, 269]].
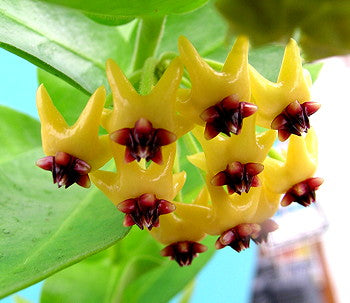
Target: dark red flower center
[[144, 211], [302, 192], [266, 227], [183, 252], [226, 116], [239, 237], [294, 119], [238, 177], [143, 141], [66, 169]]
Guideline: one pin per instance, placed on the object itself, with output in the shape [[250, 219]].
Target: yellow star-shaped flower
[[300, 164], [224, 212], [142, 194], [222, 150], [209, 86], [80, 140], [180, 226], [158, 106], [284, 105]]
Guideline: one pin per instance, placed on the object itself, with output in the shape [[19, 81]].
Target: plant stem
[[191, 144], [149, 34], [273, 153], [147, 77], [214, 64], [193, 148]]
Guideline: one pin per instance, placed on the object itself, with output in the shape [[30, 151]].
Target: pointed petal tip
[[128, 221], [45, 163], [165, 137], [100, 92], [242, 42], [292, 43], [283, 135], [248, 109], [120, 136], [287, 200], [84, 181], [182, 41], [109, 63], [166, 207], [219, 179], [311, 107]]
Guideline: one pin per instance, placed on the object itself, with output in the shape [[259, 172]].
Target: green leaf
[[323, 26], [18, 133], [195, 27], [164, 282], [326, 32], [43, 229], [267, 60], [131, 8], [88, 281], [115, 268], [109, 20], [131, 271], [314, 69], [264, 21], [188, 292], [64, 42]]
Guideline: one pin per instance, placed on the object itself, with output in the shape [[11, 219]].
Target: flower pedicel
[[243, 184]]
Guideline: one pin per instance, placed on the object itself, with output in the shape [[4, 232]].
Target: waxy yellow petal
[[300, 164], [158, 106], [80, 140], [245, 147], [209, 86], [268, 204], [173, 229], [293, 84], [131, 180]]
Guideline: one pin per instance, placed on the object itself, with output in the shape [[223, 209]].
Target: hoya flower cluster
[[244, 185]]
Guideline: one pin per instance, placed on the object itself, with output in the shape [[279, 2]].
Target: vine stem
[[147, 76], [193, 148], [273, 153], [149, 34], [214, 64]]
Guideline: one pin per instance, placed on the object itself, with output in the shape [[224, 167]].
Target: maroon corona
[[144, 211], [266, 227], [302, 192], [294, 119], [239, 237], [183, 252], [143, 141], [66, 169], [226, 117], [238, 177]]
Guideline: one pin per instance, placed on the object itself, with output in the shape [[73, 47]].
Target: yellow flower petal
[[209, 86], [300, 164], [158, 106], [131, 180], [293, 84], [245, 147], [80, 140]]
